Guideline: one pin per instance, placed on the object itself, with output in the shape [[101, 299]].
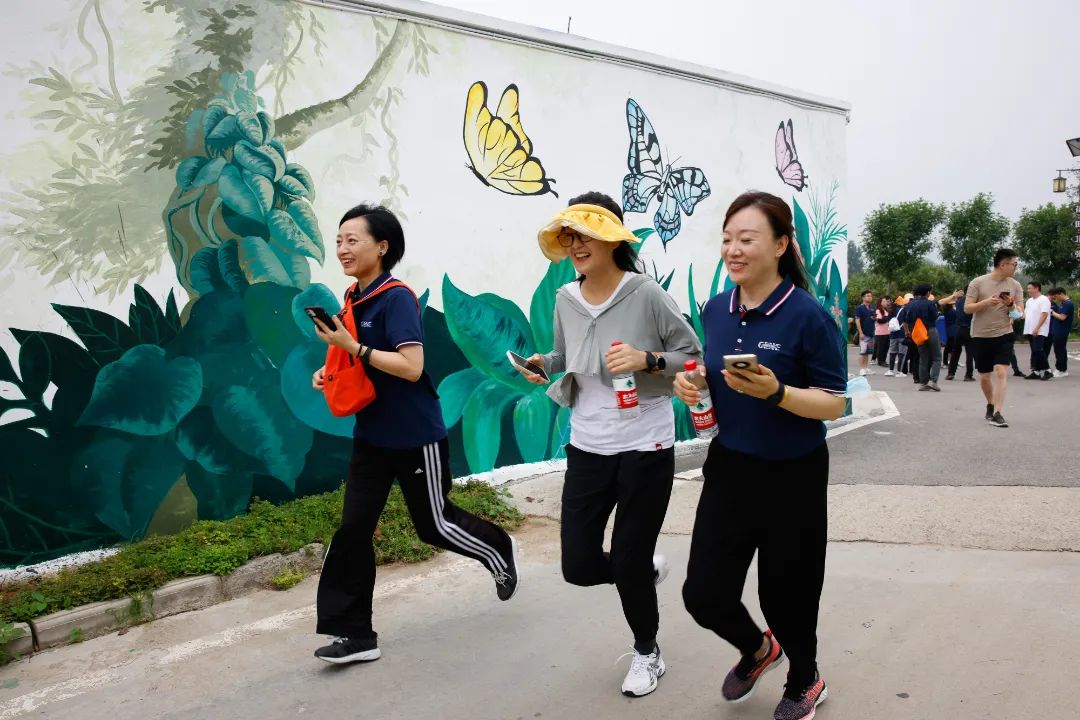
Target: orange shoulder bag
[[919, 335], [347, 387]]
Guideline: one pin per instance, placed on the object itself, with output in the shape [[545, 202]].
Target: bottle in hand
[[626, 398], [702, 411]]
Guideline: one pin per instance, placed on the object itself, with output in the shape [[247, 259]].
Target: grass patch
[[219, 547], [287, 578]]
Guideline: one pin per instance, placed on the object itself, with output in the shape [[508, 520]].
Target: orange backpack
[[919, 336], [347, 387]]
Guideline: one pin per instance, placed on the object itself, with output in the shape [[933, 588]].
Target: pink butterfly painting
[[788, 166]]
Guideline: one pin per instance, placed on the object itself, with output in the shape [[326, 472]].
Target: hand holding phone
[[320, 314], [741, 363], [524, 364]]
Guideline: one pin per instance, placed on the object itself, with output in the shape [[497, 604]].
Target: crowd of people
[[918, 334]]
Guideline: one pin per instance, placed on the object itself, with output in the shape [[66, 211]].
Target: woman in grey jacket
[[613, 321]]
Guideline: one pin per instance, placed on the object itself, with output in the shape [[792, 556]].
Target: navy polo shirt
[[865, 317], [920, 307], [1061, 328], [963, 320], [404, 414], [793, 336]]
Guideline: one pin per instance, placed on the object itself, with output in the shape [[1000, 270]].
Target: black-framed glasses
[[567, 238]]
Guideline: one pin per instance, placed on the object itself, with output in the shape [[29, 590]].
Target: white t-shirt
[[1033, 310], [595, 423]]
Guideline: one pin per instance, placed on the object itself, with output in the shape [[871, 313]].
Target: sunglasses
[[566, 239]]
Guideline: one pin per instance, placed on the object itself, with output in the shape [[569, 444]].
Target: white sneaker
[[900, 375], [645, 671], [863, 372], [871, 372], [889, 373], [1061, 373], [661, 567]]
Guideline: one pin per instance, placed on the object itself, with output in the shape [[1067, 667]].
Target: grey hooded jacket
[[642, 314]]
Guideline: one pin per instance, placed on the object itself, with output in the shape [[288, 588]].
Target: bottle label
[[625, 392], [703, 415]]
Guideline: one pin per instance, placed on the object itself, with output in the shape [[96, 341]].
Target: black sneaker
[[348, 650], [998, 421], [1033, 376], [1047, 375], [507, 582], [989, 412], [969, 378], [950, 377], [1017, 373]]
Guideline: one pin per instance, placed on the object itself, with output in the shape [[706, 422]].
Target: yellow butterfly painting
[[500, 153]]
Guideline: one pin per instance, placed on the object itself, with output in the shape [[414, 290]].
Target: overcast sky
[[949, 98]]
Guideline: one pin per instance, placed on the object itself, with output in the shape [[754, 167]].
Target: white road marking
[[890, 412]]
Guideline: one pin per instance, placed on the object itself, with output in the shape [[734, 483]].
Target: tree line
[[896, 239]]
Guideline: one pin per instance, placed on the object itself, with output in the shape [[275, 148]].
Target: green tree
[[856, 263], [1045, 241], [973, 231], [896, 237]]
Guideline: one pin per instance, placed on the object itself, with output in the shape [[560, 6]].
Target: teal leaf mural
[[533, 415], [148, 321], [199, 439], [542, 309], [228, 258], [128, 477], [35, 367], [259, 264], [219, 497], [287, 235], [105, 337], [482, 422], [242, 192], [144, 393], [257, 420], [316, 295], [454, 392], [71, 369], [306, 403], [268, 312]]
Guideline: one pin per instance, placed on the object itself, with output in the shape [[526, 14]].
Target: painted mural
[[165, 198]]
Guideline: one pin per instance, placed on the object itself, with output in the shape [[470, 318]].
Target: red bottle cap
[[617, 342], [690, 365]]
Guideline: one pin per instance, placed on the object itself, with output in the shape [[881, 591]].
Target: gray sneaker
[[934, 386], [999, 421]]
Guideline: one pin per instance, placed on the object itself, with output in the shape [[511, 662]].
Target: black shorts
[[989, 352]]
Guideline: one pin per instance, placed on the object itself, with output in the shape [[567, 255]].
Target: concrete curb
[[178, 596]]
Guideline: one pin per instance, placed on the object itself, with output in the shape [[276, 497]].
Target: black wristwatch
[[777, 397], [655, 362]]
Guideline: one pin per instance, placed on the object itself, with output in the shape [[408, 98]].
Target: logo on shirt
[[365, 323], [775, 347]]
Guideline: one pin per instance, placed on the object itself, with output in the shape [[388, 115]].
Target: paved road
[[942, 439], [907, 632]]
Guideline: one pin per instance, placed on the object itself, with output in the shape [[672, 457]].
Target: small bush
[[219, 547], [287, 578]]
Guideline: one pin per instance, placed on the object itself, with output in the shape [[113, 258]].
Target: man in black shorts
[[994, 300]]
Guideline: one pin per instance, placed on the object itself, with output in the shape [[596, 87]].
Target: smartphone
[[746, 362], [1004, 295], [524, 364], [320, 314]]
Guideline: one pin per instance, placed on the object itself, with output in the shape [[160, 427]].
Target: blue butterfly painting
[[649, 177]]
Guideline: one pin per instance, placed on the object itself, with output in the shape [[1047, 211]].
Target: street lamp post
[[1060, 183]]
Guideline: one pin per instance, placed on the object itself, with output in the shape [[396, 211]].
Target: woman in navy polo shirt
[[400, 435], [768, 468]]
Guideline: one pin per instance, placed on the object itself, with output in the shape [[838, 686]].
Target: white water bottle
[[626, 399], [702, 411]]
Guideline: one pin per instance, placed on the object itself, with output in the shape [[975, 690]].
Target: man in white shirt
[[1037, 328]]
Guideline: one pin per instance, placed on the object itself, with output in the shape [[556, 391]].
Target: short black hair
[[1036, 285], [1004, 254], [921, 290], [1057, 291], [383, 226], [864, 293], [625, 256]]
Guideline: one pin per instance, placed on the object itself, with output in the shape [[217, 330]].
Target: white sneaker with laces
[[661, 567], [645, 672], [889, 373], [863, 372]]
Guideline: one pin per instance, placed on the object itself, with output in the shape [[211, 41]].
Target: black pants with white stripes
[[423, 473]]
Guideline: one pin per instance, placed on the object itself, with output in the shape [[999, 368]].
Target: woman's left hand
[[338, 336], [761, 384], [625, 358]]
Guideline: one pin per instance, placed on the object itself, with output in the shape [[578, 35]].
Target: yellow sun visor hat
[[590, 221]]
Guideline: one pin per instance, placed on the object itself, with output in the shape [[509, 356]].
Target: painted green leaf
[[257, 420], [172, 313], [210, 172], [422, 301], [802, 231], [297, 266], [717, 275], [147, 320], [187, 170], [241, 225], [216, 323], [542, 309], [315, 295], [104, 336], [267, 124], [35, 367], [306, 403], [695, 314], [192, 130], [454, 392], [200, 441], [560, 433], [7, 372], [301, 174], [684, 421], [128, 477], [205, 271], [224, 135], [262, 161], [485, 330], [642, 235], [244, 194], [214, 115], [286, 234], [250, 127], [268, 311], [144, 393], [533, 415], [228, 257], [292, 187], [303, 214], [259, 264], [71, 369], [219, 497], [482, 423]]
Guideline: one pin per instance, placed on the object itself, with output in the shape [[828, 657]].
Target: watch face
[[661, 363]]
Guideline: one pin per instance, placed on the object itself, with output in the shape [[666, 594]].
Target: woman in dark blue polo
[[767, 470], [400, 435]]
